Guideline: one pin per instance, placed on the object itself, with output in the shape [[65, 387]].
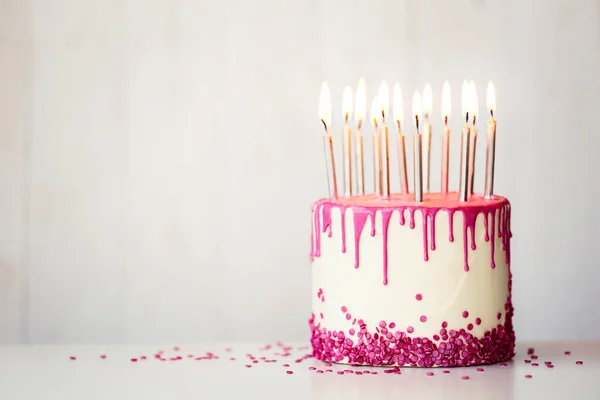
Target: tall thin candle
[[463, 192], [384, 101], [473, 132], [417, 149], [491, 143], [426, 134], [360, 112], [325, 116], [445, 136], [399, 119], [347, 141], [376, 119]]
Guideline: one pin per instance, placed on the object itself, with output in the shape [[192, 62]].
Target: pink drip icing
[[385, 219], [360, 218], [343, 212], [362, 210]]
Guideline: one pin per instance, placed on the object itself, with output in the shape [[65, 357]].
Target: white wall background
[[158, 158]]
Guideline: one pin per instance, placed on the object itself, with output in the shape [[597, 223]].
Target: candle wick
[[383, 116], [446, 120], [399, 126], [467, 118], [375, 123], [492, 113], [359, 124], [417, 122], [346, 119], [474, 119], [324, 125]]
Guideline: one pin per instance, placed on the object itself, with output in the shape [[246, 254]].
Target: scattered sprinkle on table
[[464, 377], [528, 376]]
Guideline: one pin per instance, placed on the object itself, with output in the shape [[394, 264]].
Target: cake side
[[399, 283]]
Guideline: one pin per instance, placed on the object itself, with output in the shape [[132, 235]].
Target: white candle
[[399, 118], [491, 143], [347, 141], [426, 134], [325, 116], [446, 105], [384, 101], [463, 192], [474, 111], [417, 149], [360, 112], [376, 120]]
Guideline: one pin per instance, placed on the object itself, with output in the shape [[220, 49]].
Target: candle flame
[[325, 105], [474, 103], [446, 101], [466, 99], [347, 103], [427, 99], [491, 98], [375, 111], [360, 106], [416, 108], [398, 106], [384, 99]]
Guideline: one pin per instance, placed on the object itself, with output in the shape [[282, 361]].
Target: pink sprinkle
[[392, 325], [344, 309], [499, 315], [351, 332], [232, 358], [445, 371], [444, 324], [528, 376], [430, 374], [228, 349], [534, 357], [503, 364], [419, 297], [254, 361], [322, 315], [358, 373], [342, 372], [329, 365], [578, 362], [320, 371], [248, 366], [289, 372], [176, 348], [530, 351], [480, 369], [527, 361], [313, 368], [287, 365], [548, 362], [103, 356], [423, 318], [465, 314], [134, 360], [464, 377], [410, 329], [549, 365], [470, 327], [143, 358], [567, 352], [477, 321], [73, 358], [382, 324], [534, 364], [374, 373], [348, 316]]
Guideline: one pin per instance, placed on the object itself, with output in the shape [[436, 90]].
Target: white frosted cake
[[411, 284]]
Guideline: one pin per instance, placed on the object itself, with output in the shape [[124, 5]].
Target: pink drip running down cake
[[412, 284]]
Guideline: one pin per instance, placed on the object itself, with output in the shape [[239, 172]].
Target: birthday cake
[[405, 280], [401, 283]]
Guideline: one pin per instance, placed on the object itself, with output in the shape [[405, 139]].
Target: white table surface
[[47, 372]]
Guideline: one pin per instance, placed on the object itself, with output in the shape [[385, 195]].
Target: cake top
[[438, 200]]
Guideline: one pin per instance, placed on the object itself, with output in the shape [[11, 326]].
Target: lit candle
[[376, 120], [463, 191], [417, 149], [384, 102], [360, 112], [473, 144], [445, 136], [491, 143], [325, 115], [399, 118], [347, 140], [426, 135]]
